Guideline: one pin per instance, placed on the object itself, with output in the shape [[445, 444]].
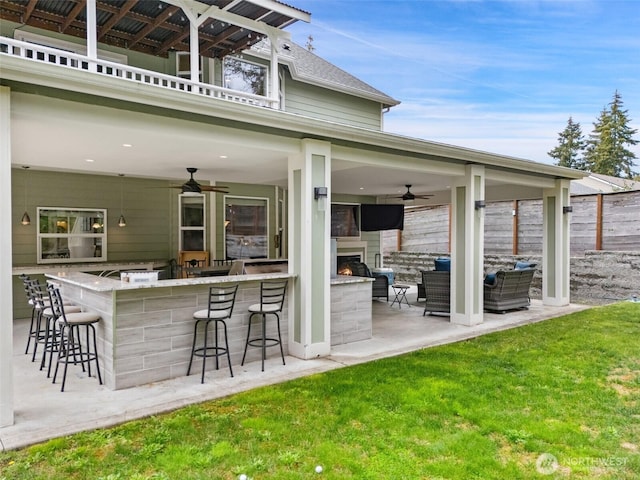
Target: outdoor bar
[[146, 328]]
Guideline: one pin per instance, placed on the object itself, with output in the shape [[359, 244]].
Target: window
[[246, 234], [183, 65], [192, 222], [71, 235], [244, 76]]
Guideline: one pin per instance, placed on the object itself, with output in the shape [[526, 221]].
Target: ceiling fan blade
[[214, 188]]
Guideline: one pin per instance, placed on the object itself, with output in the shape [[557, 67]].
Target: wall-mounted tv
[[377, 217], [345, 221]]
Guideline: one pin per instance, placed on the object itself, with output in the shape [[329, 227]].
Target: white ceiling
[[48, 134]]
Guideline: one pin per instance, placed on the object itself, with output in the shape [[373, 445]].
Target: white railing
[[65, 59]]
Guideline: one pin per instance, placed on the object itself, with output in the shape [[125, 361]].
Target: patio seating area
[[395, 331]]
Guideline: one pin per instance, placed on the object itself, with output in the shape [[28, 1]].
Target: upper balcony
[[148, 36], [32, 52]]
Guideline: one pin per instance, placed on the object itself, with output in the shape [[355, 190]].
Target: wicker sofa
[[509, 290], [380, 287], [437, 288]]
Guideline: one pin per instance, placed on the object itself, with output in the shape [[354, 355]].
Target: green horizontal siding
[[316, 102]]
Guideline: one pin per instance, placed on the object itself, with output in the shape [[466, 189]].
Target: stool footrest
[[268, 342]]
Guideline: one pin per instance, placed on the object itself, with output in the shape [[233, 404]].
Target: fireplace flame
[[345, 270]]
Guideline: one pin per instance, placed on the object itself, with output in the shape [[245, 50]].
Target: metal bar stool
[[26, 281], [221, 302], [71, 349], [272, 293]]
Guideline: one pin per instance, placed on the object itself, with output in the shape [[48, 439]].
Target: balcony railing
[[65, 59]]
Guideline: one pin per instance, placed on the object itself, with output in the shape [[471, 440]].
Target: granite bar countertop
[[107, 284], [87, 267]]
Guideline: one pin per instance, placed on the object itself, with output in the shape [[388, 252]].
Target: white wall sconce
[[480, 204], [567, 209], [321, 194]]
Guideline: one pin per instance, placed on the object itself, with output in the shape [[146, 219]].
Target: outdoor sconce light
[[121, 221], [480, 204], [567, 209], [321, 194], [25, 220]]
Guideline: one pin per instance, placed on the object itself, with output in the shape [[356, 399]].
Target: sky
[[498, 76]]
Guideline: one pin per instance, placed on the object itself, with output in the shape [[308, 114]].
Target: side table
[[400, 292]]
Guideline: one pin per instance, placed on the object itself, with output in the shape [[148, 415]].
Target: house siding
[[316, 102]]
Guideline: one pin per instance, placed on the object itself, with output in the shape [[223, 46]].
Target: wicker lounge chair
[[380, 287], [509, 290], [437, 288]]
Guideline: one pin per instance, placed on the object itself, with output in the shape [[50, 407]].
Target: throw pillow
[[523, 265], [443, 264]]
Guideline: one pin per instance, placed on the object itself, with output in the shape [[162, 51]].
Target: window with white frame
[[183, 65], [246, 227], [244, 76], [67, 235], [192, 222]]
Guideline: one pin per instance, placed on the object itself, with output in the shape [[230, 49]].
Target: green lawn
[[503, 406]]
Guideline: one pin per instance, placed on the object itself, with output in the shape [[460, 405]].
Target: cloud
[[501, 76]]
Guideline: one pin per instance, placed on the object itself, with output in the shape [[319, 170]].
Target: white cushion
[[269, 308], [80, 318], [216, 314]]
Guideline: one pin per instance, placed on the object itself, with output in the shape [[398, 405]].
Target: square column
[[467, 247], [310, 251], [555, 244], [6, 288]]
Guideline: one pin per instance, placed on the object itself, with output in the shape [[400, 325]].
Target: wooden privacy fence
[[609, 221]]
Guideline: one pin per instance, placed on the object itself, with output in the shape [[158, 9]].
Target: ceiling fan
[[191, 186], [408, 196]]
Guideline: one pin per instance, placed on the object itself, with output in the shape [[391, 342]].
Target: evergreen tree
[[606, 151], [571, 143]]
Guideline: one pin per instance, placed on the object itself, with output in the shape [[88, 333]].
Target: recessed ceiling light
[[89, 160], [127, 145], [223, 156], [361, 188]]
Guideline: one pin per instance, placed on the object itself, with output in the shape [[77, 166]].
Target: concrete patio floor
[[43, 412]]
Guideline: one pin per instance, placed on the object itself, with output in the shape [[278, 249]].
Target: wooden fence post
[[599, 221], [514, 227]]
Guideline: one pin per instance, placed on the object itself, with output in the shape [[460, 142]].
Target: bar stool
[[70, 348], [26, 281], [221, 302], [272, 293], [44, 329]]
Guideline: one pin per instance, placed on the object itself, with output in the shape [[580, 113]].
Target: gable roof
[[307, 67], [598, 183]]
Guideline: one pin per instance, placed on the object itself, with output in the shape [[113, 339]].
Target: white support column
[[92, 34], [467, 248], [194, 51], [6, 288], [274, 81], [309, 251], [555, 245]]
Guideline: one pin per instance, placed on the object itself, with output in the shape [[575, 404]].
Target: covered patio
[[76, 121], [41, 412]]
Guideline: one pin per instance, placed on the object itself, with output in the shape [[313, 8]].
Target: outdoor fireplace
[[343, 262]]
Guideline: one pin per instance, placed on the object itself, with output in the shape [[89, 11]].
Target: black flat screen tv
[[374, 217]]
